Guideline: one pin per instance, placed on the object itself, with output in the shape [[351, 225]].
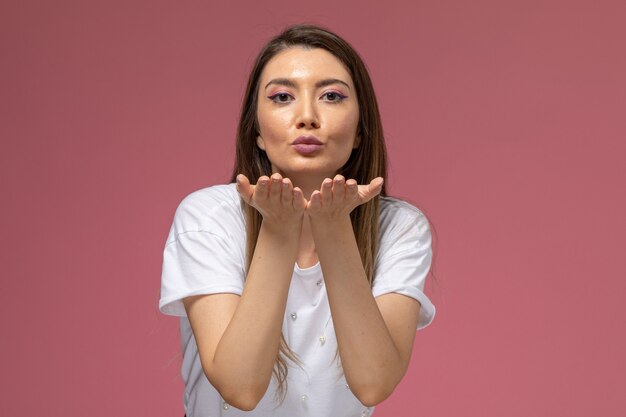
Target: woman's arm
[[238, 337], [375, 336]]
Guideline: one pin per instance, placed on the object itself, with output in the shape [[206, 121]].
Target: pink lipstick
[[307, 144]]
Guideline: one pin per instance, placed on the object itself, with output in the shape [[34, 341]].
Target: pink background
[[505, 122]]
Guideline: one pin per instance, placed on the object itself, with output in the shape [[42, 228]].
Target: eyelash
[[274, 97], [339, 97]]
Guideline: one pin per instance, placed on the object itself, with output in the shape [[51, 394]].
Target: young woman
[[299, 295]]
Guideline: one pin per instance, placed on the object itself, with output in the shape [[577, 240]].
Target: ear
[[260, 143]]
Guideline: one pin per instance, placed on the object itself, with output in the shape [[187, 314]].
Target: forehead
[[304, 64]]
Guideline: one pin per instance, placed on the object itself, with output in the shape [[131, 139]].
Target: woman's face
[[307, 112]]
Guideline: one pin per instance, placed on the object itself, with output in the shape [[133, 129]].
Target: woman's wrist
[[330, 227], [286, 229]]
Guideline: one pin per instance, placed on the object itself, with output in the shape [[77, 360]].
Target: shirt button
[[304, 397], [225, 406], [294, 316], [322, 339], [319, 283]]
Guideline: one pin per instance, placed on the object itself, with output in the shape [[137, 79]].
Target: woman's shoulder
[[214, 209], [395, 210], [209, 196], [397, 215]]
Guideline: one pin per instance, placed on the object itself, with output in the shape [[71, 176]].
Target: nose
[[307, 117]]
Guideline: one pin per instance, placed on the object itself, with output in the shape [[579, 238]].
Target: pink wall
[[505, 123]]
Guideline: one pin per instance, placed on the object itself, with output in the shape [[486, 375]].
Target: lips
[[307, 145], [307, 140]]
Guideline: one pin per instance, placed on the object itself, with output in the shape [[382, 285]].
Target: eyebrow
[[322, 83]]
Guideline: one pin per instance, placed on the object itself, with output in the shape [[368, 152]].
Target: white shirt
[[205, 254]]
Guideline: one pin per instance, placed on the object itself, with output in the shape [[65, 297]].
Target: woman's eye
[[280, 98], [333, 96]]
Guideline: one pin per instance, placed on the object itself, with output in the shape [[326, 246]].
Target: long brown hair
[[366, 162]]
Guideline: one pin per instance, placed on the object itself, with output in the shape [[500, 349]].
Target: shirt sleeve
[[404, 261], [200, 257]]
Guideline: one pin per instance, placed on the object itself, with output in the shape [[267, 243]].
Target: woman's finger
[[287, 192], [352, 189], [299, 202], [377, 184], [261, 189], [339, 188], [327, 192], [315, 203], [371, 190], [276, 185], [244, 188]]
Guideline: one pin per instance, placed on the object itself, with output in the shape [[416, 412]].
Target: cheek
[[346, 127], [272, 125]]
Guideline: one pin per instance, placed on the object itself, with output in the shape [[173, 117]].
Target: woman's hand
[[275, 197], [338, 197]]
